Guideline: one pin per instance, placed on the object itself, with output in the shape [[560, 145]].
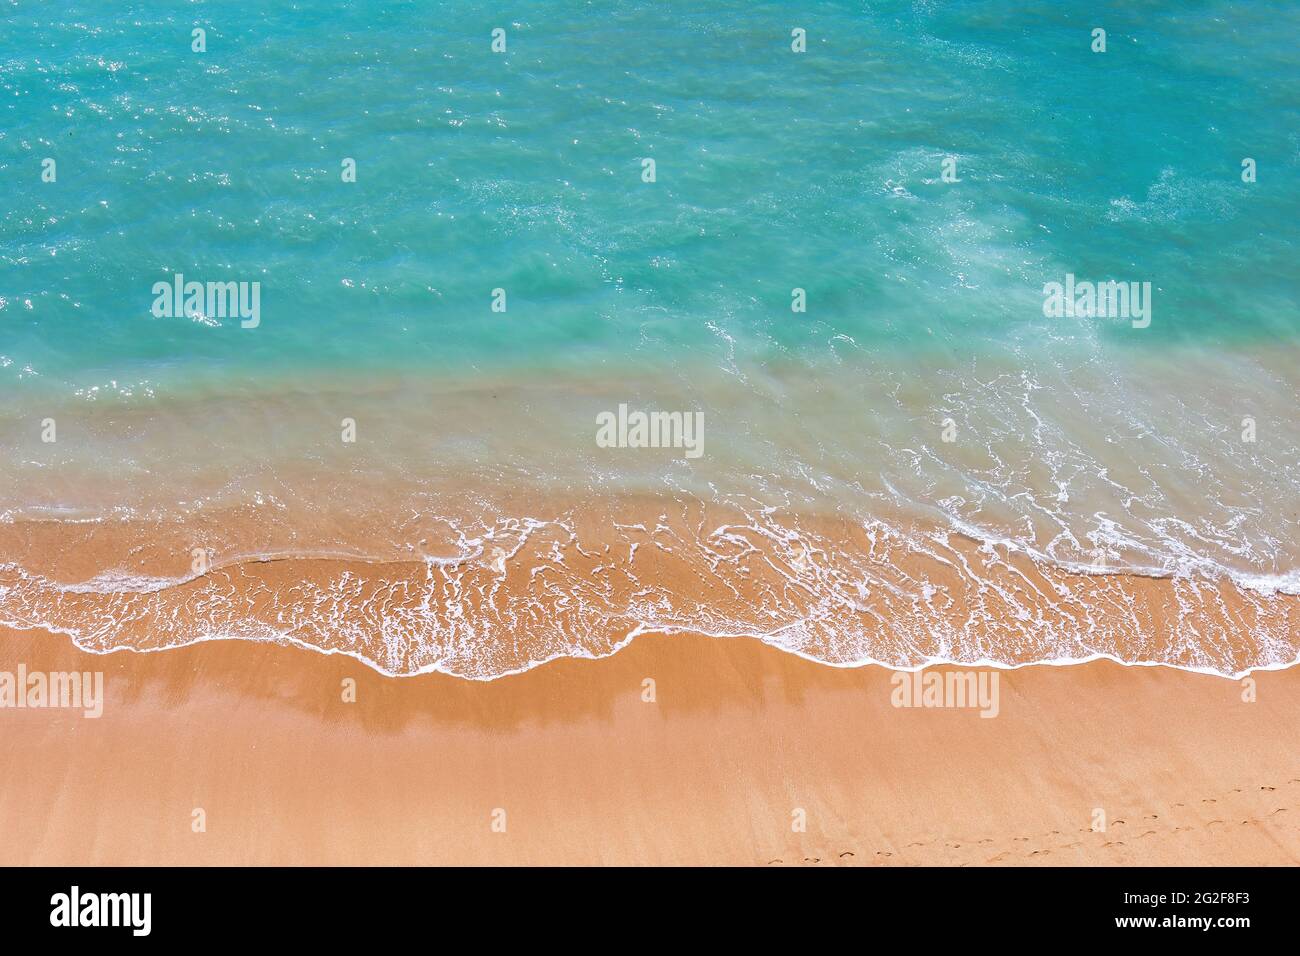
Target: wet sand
[[528, 591], [740, 737]]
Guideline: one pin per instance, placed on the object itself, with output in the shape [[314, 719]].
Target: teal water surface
[[922, 413], [522, 171]]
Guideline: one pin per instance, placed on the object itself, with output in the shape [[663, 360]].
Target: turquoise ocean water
[[1080, 440]]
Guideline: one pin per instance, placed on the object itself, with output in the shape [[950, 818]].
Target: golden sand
[[739, 738]]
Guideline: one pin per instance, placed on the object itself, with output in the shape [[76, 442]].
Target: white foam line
[[665, 629]]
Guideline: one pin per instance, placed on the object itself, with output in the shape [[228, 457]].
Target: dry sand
[[739, 736]]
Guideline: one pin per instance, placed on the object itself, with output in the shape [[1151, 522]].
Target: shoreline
[[649, 631], [483, 601], [739, 736]]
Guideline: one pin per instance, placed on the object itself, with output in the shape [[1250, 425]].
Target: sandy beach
[[739, 738], [692, 435]]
